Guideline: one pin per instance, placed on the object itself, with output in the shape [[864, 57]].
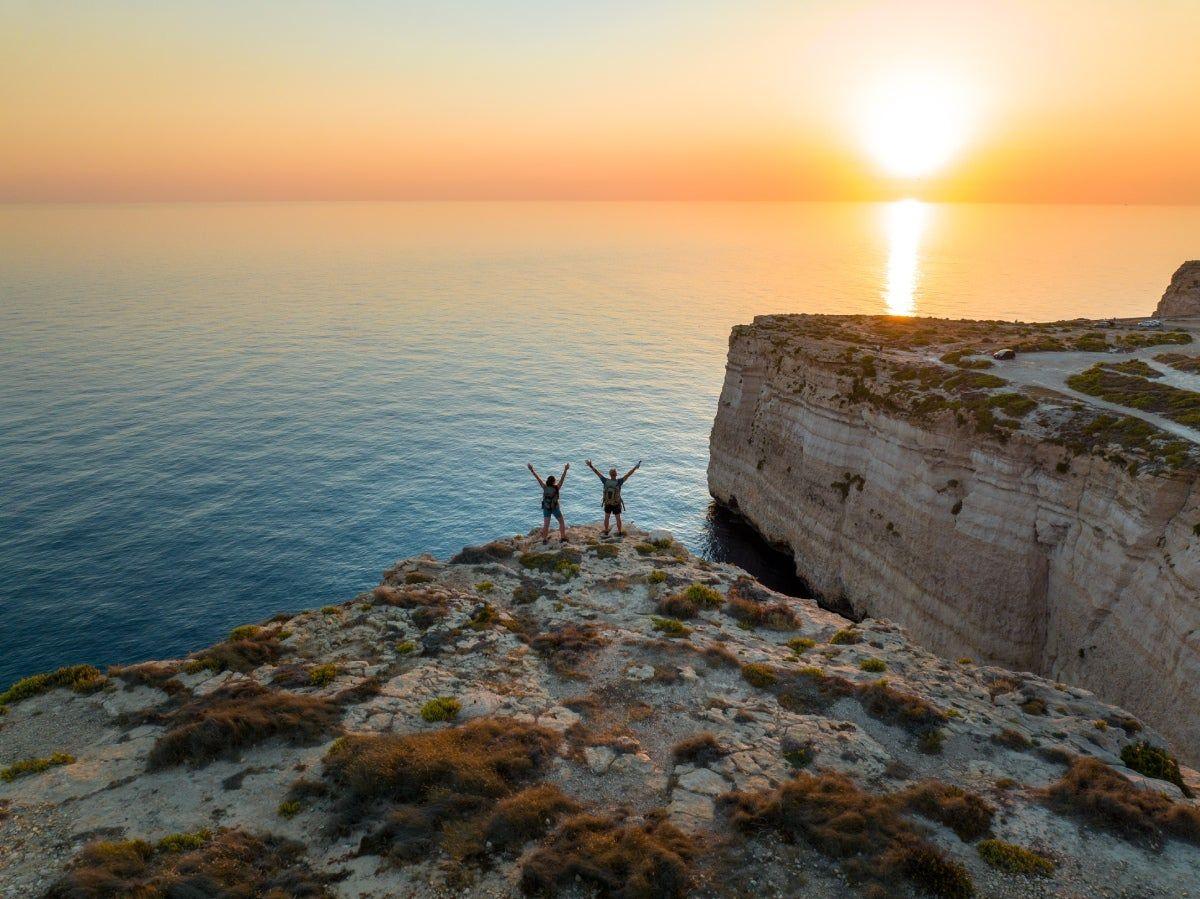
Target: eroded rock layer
[[1016, 525]]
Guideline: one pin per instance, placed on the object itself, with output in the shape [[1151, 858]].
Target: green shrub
[[607, 551], [443, 708], [846, 637], [567, 568], [184, 842], [759, 675], [34, 766], [289, 808], [80, 678], [672, 627], [330, 610], [404, 647], [483, 617], [658, 576], [1152, 761], [1013, 859], [704, 596], [644, 549], [322, 675], [485, 586], [873, 665], [800, 644], [244, 632]]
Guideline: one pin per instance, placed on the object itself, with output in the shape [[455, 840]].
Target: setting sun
[[912, 129]]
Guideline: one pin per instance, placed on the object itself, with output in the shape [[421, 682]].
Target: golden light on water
[[904, 224], [913, 128]]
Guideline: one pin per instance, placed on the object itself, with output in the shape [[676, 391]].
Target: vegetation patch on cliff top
[[1174, 403], [233, 718], [874, 843], [79, 678], [224, 863]]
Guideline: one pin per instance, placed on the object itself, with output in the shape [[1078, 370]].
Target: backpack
[[550, 496], [612, 493]]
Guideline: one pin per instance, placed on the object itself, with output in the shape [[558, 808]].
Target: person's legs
[[546, 528], [620, 529], [562, 525], [607, 514]]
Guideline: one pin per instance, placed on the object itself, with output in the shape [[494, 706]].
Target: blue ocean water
[[211, 413]]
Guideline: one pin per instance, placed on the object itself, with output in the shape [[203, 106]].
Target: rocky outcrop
[[613, 715], [1036, 541], [1182, 296]]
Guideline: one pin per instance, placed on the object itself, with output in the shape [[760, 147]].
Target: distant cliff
[[1182, 297], [613, 717], [1017, 524]]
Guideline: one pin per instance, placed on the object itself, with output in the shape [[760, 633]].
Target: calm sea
[[211, 413]]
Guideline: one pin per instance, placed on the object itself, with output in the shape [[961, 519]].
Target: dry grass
[[526, 816], [80, 678], [759, 675], [481, 555], [966, 813], [615, 856], [678, 605], [483, 758], [1013, 859], [875, 844], [565, 647], [149, 674], [229, 863], [26, 767], [1094, 793], [1013, 739], [234, 718], [699, 749], [407, 598], [243, 651]]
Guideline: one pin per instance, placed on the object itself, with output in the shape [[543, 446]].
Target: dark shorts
[[556, 512], [612, 510]]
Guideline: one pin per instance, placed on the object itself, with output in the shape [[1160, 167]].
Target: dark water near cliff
[[211, 413]]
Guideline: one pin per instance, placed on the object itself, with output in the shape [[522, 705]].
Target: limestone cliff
[[612, 717], [1182, 296], [1011, 523]]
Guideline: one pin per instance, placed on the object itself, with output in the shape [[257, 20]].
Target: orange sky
[[1058, 100]]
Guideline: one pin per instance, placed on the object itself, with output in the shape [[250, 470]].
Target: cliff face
[[612, 716], [1023, 545], [1182, 296]]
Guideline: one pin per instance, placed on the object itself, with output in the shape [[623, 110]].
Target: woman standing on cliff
[[550, 506]]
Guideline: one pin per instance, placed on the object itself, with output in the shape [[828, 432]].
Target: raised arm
[[529, 465], [563, 479], [594, 469], [629, 473]]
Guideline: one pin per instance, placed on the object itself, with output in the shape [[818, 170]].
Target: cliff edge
[[1182, 296], [613, 717], [1039, 511]]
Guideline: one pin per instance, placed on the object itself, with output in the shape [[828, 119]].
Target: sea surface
[[212, 413]]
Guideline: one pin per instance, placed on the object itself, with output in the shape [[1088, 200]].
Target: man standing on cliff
[[613, 504]]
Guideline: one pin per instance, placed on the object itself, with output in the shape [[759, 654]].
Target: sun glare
[[904, 224], [913, 128]]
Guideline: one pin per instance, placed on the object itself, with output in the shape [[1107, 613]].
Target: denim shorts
[[556, 512]]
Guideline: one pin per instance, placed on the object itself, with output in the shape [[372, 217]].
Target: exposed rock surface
[[567, 649], [1023, 527], [1182, 297]]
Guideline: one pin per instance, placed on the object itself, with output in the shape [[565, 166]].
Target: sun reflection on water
[[904, 224]]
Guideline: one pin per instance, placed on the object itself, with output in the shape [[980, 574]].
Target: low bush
[[672, 627], [417, 577], [847, 636], [967, 814], [485, 586], [242, 653], [776, 616], [35, 766], [149, 674], [1154, 762], [481, 555], [236, 717], [865, 832], [699, 749], [441, 708], [759, 675], [549, 561], [322, 675], [801, 644], [1094, 793], [607, 551], [657, 576], [1013, 859], [526, 815], [614, 856], [677, 605], [80, 678], [873, 665], [224, 863]]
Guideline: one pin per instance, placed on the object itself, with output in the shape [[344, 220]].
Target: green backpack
[[612, 493]]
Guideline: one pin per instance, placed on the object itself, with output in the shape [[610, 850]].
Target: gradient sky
[[1058, 100]]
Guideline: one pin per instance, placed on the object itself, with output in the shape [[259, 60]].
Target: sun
[[913, 127]]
